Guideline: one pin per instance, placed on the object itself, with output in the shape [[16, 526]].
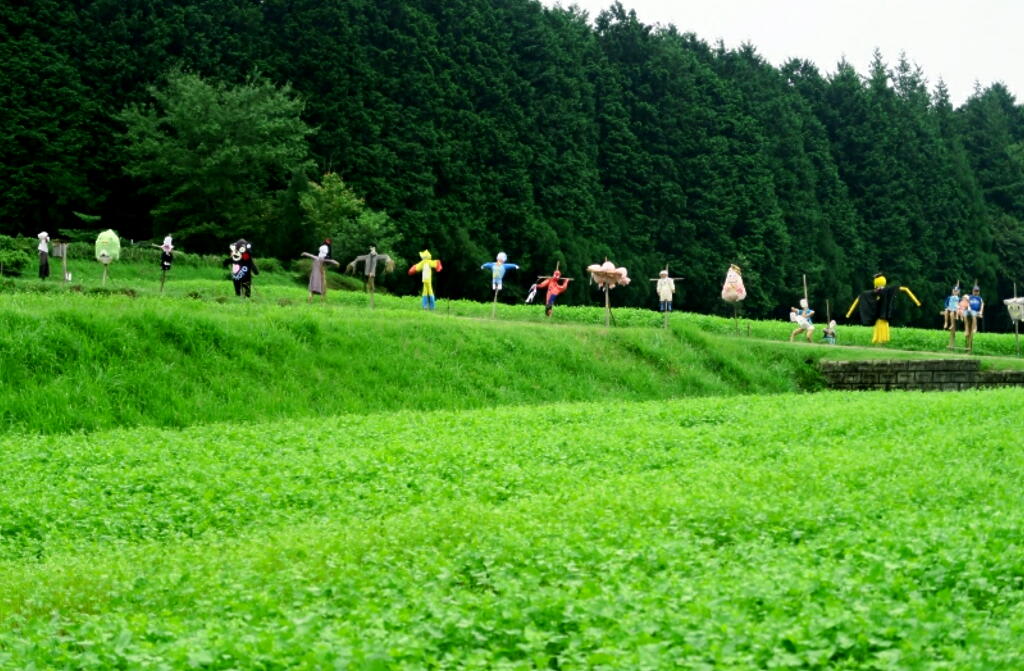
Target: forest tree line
[[478, 126]]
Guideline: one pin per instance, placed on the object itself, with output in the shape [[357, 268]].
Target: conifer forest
[[479, 126]]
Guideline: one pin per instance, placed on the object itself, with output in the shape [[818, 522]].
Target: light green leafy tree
[[333, 210], [220, 159]]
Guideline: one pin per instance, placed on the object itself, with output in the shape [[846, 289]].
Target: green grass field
[[189, 481]]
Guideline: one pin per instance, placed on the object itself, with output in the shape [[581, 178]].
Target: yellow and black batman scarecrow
[[876, 307]]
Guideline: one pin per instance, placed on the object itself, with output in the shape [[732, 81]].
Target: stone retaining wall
[[919, 374]]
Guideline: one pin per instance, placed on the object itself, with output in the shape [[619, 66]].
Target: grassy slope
[[88, 362], [736, 533]]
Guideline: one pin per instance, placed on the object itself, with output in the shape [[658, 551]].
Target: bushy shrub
[[13, 261]]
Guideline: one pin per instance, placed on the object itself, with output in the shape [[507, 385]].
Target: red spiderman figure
[[555, 285]]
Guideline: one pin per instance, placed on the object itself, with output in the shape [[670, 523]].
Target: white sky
[[959, 41]]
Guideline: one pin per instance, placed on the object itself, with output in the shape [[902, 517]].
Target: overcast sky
[[958, 41]]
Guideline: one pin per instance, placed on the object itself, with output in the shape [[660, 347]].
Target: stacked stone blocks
[[918, 374]]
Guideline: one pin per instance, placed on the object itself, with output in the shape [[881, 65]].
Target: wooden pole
[[323, 282], [64, 262], [105, 266], [494, 303], [607, 307], [163, 278], [952, 332], [1016, 324], [805, 291]]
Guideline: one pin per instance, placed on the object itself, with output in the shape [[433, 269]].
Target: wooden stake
[[494, 304], [105, 266], [1016, 324], [607, 307]]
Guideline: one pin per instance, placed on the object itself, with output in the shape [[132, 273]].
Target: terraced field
[[190, 484]]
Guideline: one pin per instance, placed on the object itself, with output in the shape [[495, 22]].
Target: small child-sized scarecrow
[[802, 316], [876, 307], [242, 266], [829, 334], [108, 249], [949, 311], [975, 311], [317, 272], [427, 266]]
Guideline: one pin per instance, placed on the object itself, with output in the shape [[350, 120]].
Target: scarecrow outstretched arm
[[854, 306], [912, 296], [389, 265], [415, 268]]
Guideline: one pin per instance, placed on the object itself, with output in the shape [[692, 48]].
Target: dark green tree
[[219, 159]]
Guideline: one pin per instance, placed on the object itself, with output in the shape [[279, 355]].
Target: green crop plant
[[853, 531]]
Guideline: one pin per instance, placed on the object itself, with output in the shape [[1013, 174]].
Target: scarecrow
[[607, 277], [317, 279], [975, 311], [166, 258], [876, 307], [949, 311], [1015, 306], [108, 249], [666, 289], [370, 262], [802, 316], [829, 334], [242, 266], [733, 292], [427, 266], [44, 255], [498, 268], [554, 284]]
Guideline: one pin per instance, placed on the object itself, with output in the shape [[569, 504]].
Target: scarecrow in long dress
[[733, 291], [876, 306], [498, 268], [108, 249], [427, 267], [317, 279], [607, 277], [44, 255]]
